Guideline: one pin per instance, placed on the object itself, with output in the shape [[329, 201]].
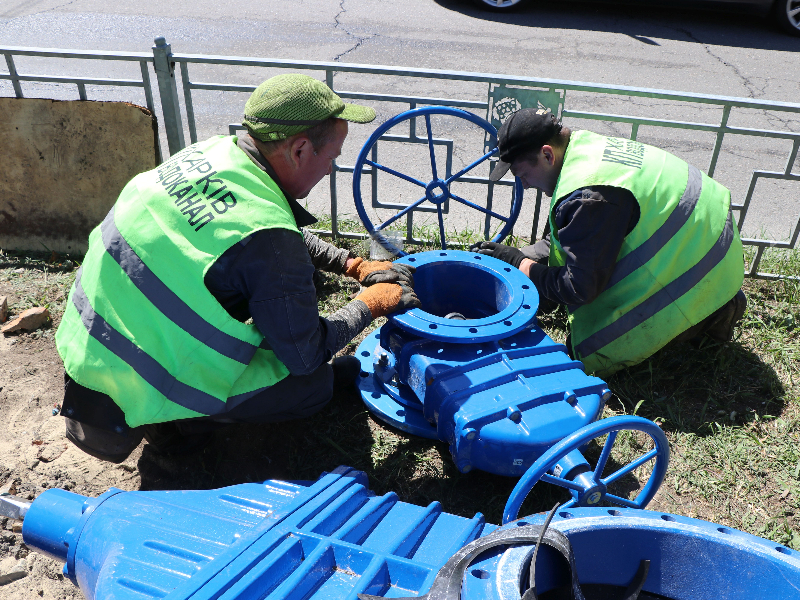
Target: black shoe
[[345, 371], [728, 317]]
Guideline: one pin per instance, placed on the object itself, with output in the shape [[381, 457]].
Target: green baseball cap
[[285, 105]]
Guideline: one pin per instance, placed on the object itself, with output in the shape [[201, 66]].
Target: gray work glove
[[512, 256]]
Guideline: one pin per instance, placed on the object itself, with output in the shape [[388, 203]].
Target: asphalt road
[[719, 53]]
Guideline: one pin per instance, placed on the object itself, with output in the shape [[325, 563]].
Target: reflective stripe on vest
[[167, 301], [141, 325], [677, 219], [663, 298], [145, 365], [680, 263]]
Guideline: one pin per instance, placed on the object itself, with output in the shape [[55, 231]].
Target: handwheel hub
[[437, 191], [593, 491]]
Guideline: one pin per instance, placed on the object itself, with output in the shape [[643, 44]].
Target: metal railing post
[[12, 71], [168, 90]]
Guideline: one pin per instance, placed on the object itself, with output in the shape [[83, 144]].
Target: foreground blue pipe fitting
[[332, 539]]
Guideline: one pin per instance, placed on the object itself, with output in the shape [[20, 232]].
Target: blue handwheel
[[587, 485], [437, 190]]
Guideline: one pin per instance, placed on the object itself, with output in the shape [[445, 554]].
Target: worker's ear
[[549, 154], [300, 150]]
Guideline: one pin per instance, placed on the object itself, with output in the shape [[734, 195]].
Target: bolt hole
[[507, 323], [412, 260], [476, 257], [565, 515], [615, 513], [526, 287], [782, 550], [522, 523], [365, 353], [401, 413], [526, 306], [667, 518], [480, 573], [473, 330], [506, 269], [433, 326], [376, 395], [442, 253], [724, 530], [363, 374]]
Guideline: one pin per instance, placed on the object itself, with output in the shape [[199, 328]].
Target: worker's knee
[[294, 397], [106, 445]]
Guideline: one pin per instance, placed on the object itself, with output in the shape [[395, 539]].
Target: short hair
[[318, 135], [559, 141]]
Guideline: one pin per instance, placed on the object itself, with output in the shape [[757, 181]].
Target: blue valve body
[[493, 385], [332, 539]]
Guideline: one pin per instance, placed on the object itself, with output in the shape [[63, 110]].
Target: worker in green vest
[[195, 304], [640, 246]]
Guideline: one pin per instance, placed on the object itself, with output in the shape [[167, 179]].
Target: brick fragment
[[31, 319]]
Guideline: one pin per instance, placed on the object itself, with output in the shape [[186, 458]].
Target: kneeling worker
[[155, 338], [641, 247]]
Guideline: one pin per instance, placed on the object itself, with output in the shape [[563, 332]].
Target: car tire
[[787, 14], [499, 5]]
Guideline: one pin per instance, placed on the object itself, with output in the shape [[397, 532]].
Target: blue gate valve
[[472, 367], [333, 539]]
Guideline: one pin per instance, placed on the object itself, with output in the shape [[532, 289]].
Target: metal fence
[[490, 95]]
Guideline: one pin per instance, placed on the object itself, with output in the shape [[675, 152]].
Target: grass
[[730, 413]]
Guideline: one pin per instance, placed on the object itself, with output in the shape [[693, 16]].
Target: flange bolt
[[514, 414]]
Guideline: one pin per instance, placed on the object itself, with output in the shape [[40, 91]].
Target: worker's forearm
[[326, 256], [348, 322]]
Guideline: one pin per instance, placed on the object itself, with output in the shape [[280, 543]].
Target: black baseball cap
[[525, 130]]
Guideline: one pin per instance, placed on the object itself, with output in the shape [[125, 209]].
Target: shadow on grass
[[419, 471], [687, 387]]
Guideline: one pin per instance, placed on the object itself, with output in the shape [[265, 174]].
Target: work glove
[[385, 298], [370, 272], [512, 256]]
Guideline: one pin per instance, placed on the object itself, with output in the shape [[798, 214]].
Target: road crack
[[359, 40], [747, 81]]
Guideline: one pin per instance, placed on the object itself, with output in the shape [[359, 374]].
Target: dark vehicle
[[785, 12]]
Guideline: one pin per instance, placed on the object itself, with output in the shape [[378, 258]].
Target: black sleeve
[[325, 256], [592, 224], [273, 271]]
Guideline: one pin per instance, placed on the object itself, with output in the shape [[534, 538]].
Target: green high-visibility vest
[[140, 324], [681, 262]]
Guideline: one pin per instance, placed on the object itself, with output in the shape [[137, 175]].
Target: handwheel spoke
[[565, 483], [441, 226], [395, 173], [430, 147], [470, 167], [620, 501], [569, 504], [630, 467], [476, 207], [601, 462], [391, 220]]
